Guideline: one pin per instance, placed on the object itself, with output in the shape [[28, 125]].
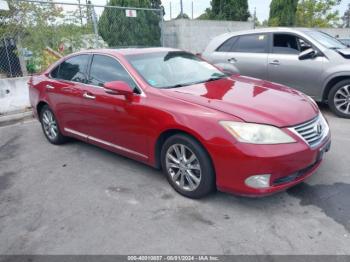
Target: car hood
[[251, 100], [344, 52]]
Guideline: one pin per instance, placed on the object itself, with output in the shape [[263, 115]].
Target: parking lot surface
[[80, 199]]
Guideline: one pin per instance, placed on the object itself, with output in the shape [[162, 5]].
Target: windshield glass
[[326, 40], [173, 69]]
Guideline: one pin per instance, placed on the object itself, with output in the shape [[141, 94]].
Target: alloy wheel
[[183, 166], [342, 99], [50, 125]]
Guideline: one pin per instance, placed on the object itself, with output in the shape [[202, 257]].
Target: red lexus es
[[172, 110]]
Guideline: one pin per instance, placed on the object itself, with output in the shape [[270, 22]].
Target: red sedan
[[172, 110]]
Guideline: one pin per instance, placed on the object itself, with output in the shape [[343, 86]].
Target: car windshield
[[326, 40], [173, 69]]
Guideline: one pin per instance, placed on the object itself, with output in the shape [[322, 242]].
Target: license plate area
[[323, 150]]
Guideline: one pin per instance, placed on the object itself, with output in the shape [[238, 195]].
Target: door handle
[[232, 60], [49, 87], [88, 96], [275, 62]]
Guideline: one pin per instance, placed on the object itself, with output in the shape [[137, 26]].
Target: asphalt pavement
[[80, 199]]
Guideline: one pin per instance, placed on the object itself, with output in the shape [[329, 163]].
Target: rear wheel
[[187, 166], [50, 126], [339, 99]]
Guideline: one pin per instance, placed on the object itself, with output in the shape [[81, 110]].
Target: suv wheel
[[50, 126], [187, 166], [339, 99]]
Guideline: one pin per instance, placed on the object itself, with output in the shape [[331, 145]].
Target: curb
[[14, 118]]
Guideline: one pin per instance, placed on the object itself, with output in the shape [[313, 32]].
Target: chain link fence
[[34, 34]]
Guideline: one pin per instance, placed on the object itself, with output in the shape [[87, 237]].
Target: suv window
[[256, 43], [228, 45], [73, 69], [106, 69], [289, 44]]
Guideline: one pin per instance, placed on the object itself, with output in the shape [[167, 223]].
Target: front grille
[[313, 131]]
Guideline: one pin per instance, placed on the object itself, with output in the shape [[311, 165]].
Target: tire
[[192, 176], [50, 126], [339, 99]]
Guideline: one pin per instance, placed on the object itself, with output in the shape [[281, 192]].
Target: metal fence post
[[162, 27], [94, 22]]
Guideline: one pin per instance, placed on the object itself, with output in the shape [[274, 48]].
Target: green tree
[[118, 30], [184, 16], [283, 12], [317, 13], [234, 10]]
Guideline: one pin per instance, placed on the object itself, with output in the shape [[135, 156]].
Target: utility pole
[[182, 9], [88, 13], [192, 10], [346, 18], [254, 18], [304, 17], [81, 15], [171, 17]]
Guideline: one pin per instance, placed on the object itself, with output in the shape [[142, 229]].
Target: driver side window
[[106, 69], [289, 44]]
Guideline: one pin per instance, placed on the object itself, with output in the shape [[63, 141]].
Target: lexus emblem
[[318, 129]]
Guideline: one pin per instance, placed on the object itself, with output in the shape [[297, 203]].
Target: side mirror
[[118, 88], [307, 54]]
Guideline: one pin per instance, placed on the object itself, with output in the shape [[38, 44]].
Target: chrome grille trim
[[310, 130]]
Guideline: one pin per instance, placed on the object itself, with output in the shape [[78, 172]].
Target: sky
[[262, 7]]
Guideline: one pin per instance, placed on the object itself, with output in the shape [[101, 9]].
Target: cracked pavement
[[80, 199]]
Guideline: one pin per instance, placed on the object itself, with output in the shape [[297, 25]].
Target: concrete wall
[[194, 35], [14, 95]]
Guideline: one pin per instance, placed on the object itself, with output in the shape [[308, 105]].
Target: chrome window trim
[[142, 93], [105, 142]]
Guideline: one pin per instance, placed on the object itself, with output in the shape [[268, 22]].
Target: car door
[[113, 120], [285, 67], [245, 54], [65, 92]]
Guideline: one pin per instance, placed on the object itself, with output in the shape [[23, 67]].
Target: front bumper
[[288, 165]]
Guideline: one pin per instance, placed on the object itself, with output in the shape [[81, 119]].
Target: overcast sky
[[262, 7]]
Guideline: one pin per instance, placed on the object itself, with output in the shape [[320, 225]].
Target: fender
[[325, 87]]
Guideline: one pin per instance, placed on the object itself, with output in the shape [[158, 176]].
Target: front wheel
[[339, 99], [187, 166], [50, 126]]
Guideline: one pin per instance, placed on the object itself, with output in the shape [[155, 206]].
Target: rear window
[[228, 45], [256, 43]]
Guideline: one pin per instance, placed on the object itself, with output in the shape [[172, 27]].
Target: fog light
[[258, 181]]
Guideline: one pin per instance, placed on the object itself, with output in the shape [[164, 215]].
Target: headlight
[[256, 133]]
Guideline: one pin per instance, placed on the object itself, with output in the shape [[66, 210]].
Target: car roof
[[130, 51], [271, 30]]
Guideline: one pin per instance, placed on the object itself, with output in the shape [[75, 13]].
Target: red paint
[[136, 122]]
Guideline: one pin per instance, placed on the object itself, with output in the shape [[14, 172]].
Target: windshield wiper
[[177, 85], [213, 78]]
